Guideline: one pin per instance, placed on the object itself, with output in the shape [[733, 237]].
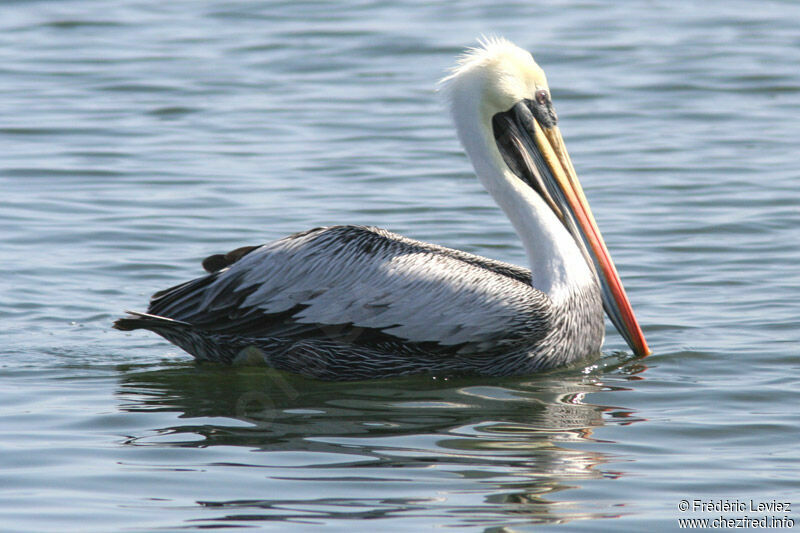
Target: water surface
[[139, 137]]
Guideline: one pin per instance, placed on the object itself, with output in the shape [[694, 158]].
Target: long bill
[[550, 172]]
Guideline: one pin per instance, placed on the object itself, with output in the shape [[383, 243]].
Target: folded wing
[[333, 281]]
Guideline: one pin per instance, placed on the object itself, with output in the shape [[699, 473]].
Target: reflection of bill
[[464, 447]]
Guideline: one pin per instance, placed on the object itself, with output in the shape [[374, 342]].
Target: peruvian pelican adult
[[352, 302]]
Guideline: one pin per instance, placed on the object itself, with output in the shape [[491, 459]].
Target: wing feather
[[363, 277]]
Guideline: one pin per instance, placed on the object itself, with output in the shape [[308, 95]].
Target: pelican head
[[504, 115]]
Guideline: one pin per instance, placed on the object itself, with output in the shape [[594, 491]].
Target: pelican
[[356, 302]]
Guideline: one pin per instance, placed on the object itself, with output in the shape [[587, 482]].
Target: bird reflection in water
[[494, 451]]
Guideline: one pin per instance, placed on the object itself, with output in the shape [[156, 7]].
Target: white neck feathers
[[557, 265]]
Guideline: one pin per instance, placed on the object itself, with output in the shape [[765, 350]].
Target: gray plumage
[[352, 302]]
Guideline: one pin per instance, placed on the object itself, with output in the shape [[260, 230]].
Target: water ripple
[[143, 136]]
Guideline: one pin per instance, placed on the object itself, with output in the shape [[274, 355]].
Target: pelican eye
[[542, 108]]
